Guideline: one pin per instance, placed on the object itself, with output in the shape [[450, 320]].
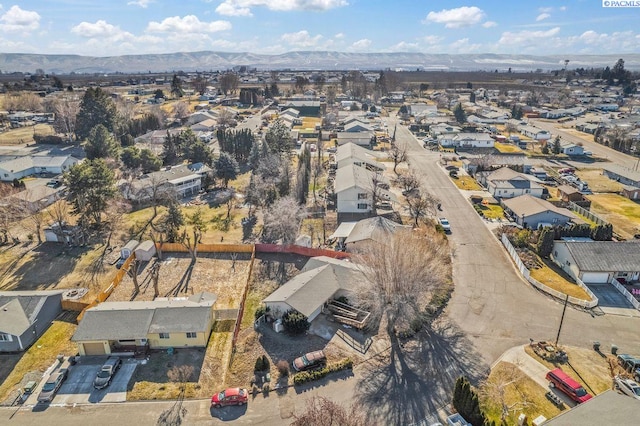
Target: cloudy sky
[[115, 27]]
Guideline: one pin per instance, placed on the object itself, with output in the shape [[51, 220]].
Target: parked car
[[52, 385], [629, 362], [445, 224], [628, 387], [564, 383], [231, 396], [106, 373], [309, 360]]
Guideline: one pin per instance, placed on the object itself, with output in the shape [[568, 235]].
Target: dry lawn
[[597, 181], [515, 392], [55, 341], [507, 148], [552, 276], [492, 211], [24, 135], [621, 212], [212, 272], [466, 183], [586, 366]]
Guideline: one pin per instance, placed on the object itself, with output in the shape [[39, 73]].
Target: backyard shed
[[145, 251], [126, 251]]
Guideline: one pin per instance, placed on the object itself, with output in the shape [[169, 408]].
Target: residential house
[[28, 165], [599, 262], [443, 128], [352, 235], [608, 408], [291, 112], [357, 126], [182, 180], [631, 192], [531, 212], [507, 183], [568, 193], [37, 198], [571, 149], [466, 140], [25, 316], [320, 280], [622, 174], [534, 133], [163, 323], [198, 117], [422, 110], [208, 125], [355, 188], [587, 127], [157, 137], [351, 153], [358, 138], [306, 108]]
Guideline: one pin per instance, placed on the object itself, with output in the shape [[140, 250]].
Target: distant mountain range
[[326, 60]]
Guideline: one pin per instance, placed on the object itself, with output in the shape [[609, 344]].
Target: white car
[[445, 224], [628, 387]]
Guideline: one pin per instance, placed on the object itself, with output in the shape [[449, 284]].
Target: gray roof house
[[532, 212], [358, 138], [25, 316], [597, 262], [622, 174], [466, 140], [19, 167], [181, 181], [354, 187], [507, 183], [321, 279], [352, 234], [351, 153], [120, 326]]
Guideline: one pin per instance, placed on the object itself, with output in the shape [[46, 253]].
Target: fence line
[[588, 304], [303, 251], [587, 213], [243, 299], [207, 248], [626, 294], [74, 305]]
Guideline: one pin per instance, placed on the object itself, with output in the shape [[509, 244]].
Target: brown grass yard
[[621, 212], [212, 272], [24, 135], [552, 276], [515, 392], [597, 181], [507, 148], [466, 183], [13, 367], [587, 367]]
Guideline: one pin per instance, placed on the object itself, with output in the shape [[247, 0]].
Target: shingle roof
[[606, 256], [375, 228], [529, 205], [19, 309]]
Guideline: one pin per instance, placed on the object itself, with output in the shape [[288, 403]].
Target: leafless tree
[[377, 186], [401, 274], [180, 111], [159, 113], [228, 82], [225, 117], [282, 221], [35, 215], [155, 276], [134, 266], [422, 206], [321, 411], [510, 128], [191, 239], [493, 390], [174, 415], [408, 181], [66, 110], [398, 155], [22, 101]]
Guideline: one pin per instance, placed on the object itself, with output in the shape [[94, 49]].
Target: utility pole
[[566, 300]]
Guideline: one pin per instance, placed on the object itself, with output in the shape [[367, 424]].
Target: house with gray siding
[[25, 316], [531, 212]]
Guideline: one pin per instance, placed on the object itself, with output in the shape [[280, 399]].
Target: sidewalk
[[532, 368]]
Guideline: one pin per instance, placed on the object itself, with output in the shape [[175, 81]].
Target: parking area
[[611, 301], [78, 387]]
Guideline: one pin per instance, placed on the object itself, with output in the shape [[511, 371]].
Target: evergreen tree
[[226, 168], [544, 246], [172, 221], [556, 148], [130, 157], [100, 143], [91, 187], [176, 87], [460, 115], [278, 138], [254, 155], [169, 150], [149, 162], [96, 108]]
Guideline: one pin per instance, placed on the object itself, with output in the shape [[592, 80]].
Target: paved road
[[491, 303]]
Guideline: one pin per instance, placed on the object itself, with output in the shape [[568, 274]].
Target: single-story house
[[163, 323], [507, 183], [291, 112], [532, 212], [19, 167], [351, 153], [25, 316], [306, 108], [207, 125], [157, 137], [350, 235], [354, 187], [569, 193], [320, 280], [631, 192], [443, 128], [590, 128], [534, 133], [607, 408], [357, 126], [358, 138], [571, 149], [145, 251], [422, 109], [466, 140], [36, 198], [199, 116], [622, 174], [598, 262]]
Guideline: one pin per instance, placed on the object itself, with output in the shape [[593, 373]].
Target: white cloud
[[490, 24], [142, 3], [243, 7], [543, 16], [463, 46], [99, 29], [464, 16], [301, 39], [545, 9], [403, 46], [432, 39], [188, 24], [563, 8], [339, 36], [527, 38], [19, 20], [362, 44]]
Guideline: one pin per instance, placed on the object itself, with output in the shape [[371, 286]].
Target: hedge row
[[308, 376]]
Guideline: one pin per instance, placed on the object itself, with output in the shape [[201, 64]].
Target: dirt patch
[[217, 273]]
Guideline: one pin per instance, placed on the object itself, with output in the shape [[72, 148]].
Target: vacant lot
[[597, 181], [24, 135], [621, 212], [216, 273]]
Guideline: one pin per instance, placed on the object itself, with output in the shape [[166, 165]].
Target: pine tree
[[254, 155], [169, 150]]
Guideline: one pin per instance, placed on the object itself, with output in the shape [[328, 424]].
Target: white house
[[466, 140], [198, 117], [354, 187], [19, 167], [351, 153], [532, 212], [357, 126], [358, 138], [183, 180], [599, 262], [534, 133], [507, 183], [571, 149], [207, 125]]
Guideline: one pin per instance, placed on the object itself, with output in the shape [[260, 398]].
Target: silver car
[[52, 385], [628, 387]]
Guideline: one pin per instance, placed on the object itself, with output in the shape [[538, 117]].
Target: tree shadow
[[418, 377]]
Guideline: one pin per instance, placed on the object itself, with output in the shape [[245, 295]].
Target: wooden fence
[[74, 305], [207, 248], [588, 304], [243, 299], [303, 251]]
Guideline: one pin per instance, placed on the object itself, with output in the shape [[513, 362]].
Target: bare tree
[[225, 117], [409, 182], [398, 155], [321, 411], [493, 390], [191, 240], [282, 221], [510, 127], [66, 110], [421, 206], [174, 415], [181, 111], [402, 272]]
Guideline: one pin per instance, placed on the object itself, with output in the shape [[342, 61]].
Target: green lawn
[[491, 211]]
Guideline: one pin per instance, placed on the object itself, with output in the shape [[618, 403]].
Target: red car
[[231, 396]]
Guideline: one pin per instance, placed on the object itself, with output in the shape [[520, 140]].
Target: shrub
[[266, 364], [265, 389], [283, 368], [259, 366], [260, 311], [308, 376], [295, 322]]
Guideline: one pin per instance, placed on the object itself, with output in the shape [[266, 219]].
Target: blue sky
[[115, 27]]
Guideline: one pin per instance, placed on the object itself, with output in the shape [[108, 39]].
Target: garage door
[[93, 348], [595, 277]]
